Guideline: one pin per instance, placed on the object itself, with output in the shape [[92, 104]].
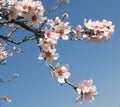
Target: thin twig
[[17, 42], [6, 81], [72, 85], [54, 8], [13, 30]]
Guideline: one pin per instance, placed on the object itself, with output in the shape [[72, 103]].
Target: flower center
[[34, 18], [60, 73], [77, 32], [48, 54], [48, 34], [61, 31]]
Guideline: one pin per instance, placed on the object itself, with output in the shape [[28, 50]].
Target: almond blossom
[[87, 91], [32, 11], [14, 12], [48, 53], [63, 29], [61, 72], [99, 30], [78, 31], [54, 23], [51, 36]]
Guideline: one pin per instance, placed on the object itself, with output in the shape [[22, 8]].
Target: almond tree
[[31, 16]]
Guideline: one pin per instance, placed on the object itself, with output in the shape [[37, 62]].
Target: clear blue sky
[[97, 61]]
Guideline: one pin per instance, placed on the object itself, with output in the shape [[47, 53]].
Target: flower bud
[[65, 15]]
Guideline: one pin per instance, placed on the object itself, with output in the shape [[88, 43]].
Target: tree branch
[[71, 84], [23, 25]]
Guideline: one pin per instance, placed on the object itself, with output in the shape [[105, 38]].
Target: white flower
[[61, 73], [87, 91], [54, 23], [13, 12], [78, 31], [51, 36], [63, 29], [48, 53]]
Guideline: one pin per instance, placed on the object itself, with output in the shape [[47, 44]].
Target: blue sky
[[97, 61]]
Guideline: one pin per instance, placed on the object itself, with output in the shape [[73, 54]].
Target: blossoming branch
[[31, 16]]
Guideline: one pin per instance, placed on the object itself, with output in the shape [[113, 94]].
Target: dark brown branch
[[37, 32], [66, 81], [72, 85], [52, 67], [23, 25]]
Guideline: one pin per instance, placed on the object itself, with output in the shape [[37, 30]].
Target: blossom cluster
[[95, 31], [31, 11], [99, 30], [57, 30]]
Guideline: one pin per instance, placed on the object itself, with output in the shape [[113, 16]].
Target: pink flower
[[32, 11], [48, 53], [63, 29], [78, 32], [61, 72], [13, 12], [87, 91], [51, 36], [99, 30]]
